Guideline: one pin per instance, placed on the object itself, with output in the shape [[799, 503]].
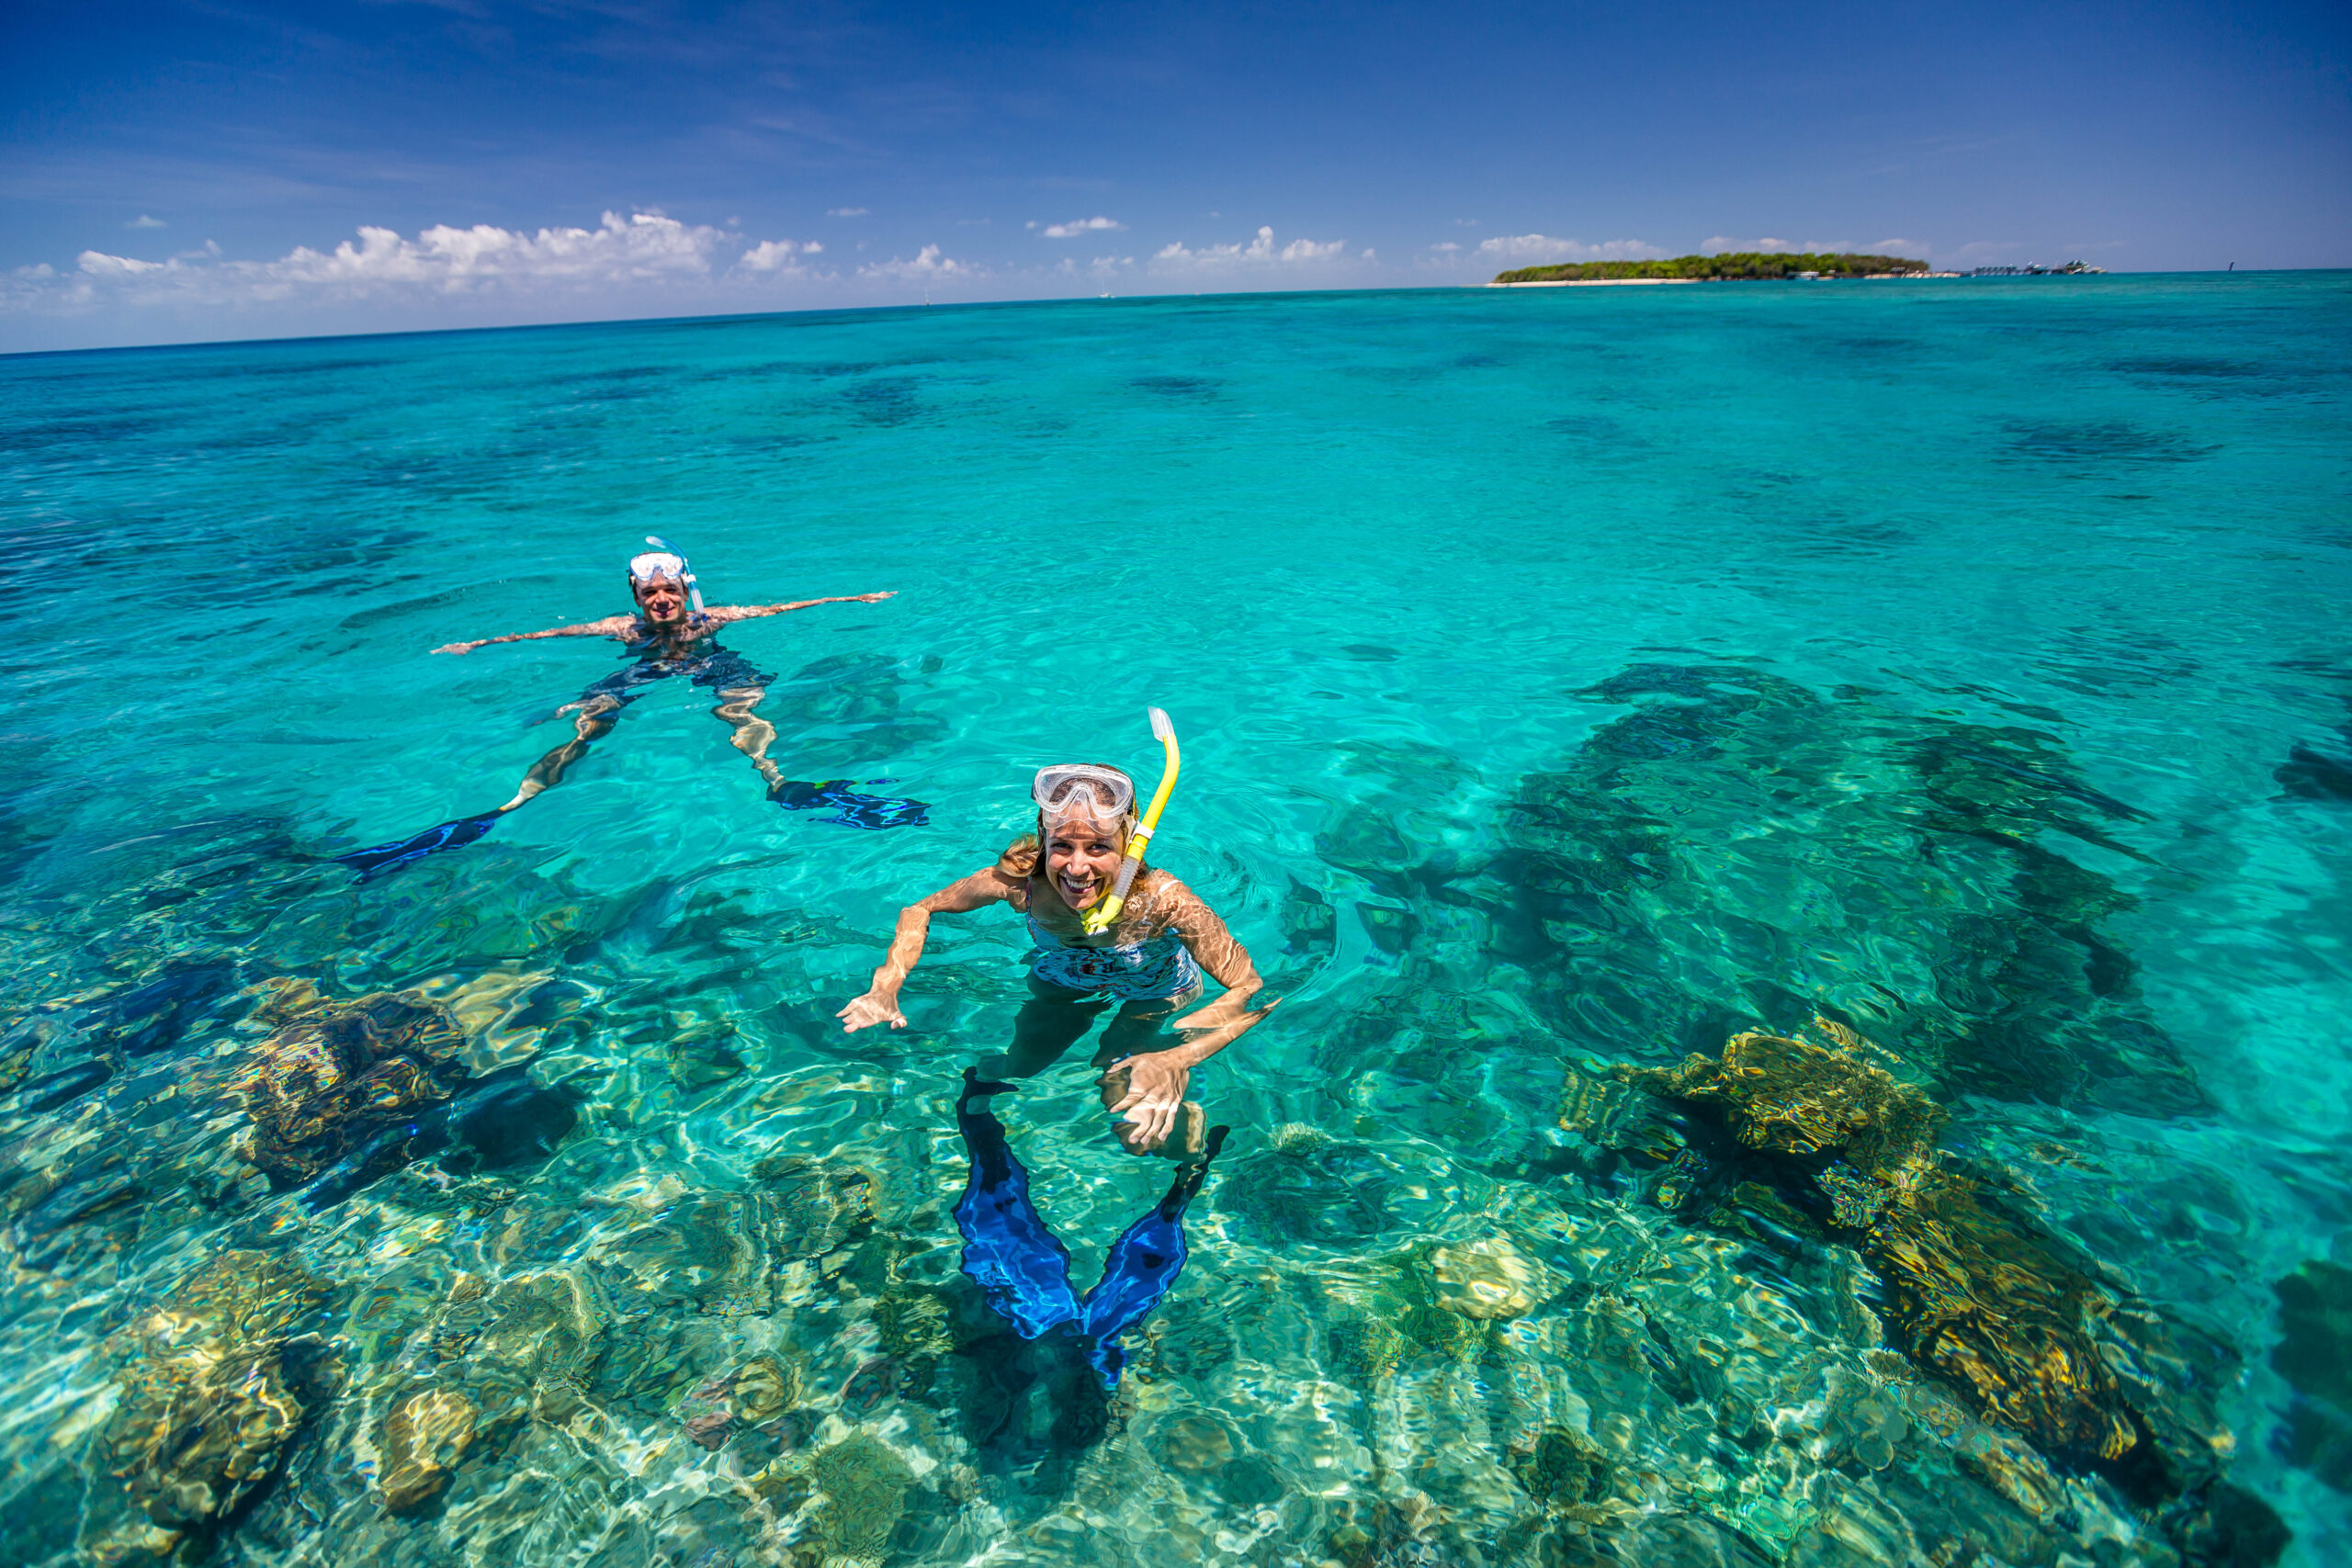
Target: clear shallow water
[[1568, 679]]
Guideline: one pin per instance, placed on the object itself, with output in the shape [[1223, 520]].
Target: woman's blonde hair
[[1021, 857]]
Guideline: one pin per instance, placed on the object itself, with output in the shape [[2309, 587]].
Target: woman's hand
[[457, 647], [872, 598], [876, 1006], [1154, 1095]]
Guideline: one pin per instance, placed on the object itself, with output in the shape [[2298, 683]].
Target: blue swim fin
[[1142, 1267], [850, 808], [1022, 1269], [383, 859]]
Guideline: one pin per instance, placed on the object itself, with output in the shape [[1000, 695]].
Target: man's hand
[[457, 647], [869, 1010], [872, 598]]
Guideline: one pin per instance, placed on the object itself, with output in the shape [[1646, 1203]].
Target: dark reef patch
[[1894, 869], [1198, 388], [2099, 441]]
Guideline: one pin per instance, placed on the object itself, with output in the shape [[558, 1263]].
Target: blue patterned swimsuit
[[1159, 968]]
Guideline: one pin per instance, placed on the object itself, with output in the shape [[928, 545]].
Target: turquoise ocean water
[[1569, 680]]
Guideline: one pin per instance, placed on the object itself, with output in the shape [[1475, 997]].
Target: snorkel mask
[[1079, 789], [669, 562], [1072, 790]]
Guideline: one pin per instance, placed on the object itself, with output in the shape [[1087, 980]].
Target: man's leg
[[851, 807], [594, 718], [754, 734]]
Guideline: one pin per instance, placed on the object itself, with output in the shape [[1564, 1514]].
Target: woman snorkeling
[[1149, 959], [1103, 935]]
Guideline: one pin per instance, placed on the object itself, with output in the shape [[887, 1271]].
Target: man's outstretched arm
[[726, 613], [611, 626]]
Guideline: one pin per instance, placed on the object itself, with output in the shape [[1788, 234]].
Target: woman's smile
[[1081, 860]]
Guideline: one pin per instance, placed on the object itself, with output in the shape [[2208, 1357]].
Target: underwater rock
[[1487, 1279], [763, 1390], [1561, 1469], [1794, 1097], [333, 1074], [205, 1407], [1977, 1296], [865, 1486], [1310, 1190], [710, 1431], [2314, 1348], [337, 1086], [700, 1056], [2309, 774], [549, 1329], [1975, 1292], [1195, 1444], [724, 1252], [424, 1437]]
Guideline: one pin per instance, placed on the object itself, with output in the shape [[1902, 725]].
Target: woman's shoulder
[[1162, 899]]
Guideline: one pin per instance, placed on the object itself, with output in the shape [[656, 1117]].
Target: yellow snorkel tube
[[1098, 919]]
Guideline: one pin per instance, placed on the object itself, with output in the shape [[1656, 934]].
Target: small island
[[1733, 267]]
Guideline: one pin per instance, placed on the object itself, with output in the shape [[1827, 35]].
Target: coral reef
[[424, 1437], [206, 1404], [1975, 1292], [332, 1075]]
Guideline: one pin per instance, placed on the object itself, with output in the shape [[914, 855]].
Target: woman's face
[[1082, 859]]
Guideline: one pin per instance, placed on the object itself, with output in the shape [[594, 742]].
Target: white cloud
[[1177, 256], [143, 221], [1445, 246], [928, 264], [483, 263], [775, 256], [849, 211], [1078, 226], [1544, 248]]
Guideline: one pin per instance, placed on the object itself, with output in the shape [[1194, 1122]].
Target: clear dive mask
[[1081, 789], [652, 567]]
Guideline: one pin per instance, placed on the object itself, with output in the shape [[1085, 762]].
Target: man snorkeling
[[670, 632], [1103, 935]]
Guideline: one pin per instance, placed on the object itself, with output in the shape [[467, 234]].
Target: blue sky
[[174, 171]]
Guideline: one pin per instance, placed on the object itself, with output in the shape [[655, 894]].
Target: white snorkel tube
[[685, 571]]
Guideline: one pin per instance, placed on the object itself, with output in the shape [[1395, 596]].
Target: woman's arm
[[881, 1002], [1156, 1081], [611, 626], [724, 614], [1215, 949]]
